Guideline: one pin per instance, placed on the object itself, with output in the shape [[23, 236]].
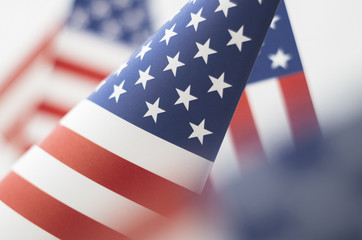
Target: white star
[[199, 131], [173, 64], [193, 1], [169, 33], [144, 77], [196, 19], [218, 85], [100, 85], [238, 38], [185, 97], [153, 110], [204, 50], [260, 1], [276, 18], [224, 6], [280, 59], [121, 67], [117, 91], [144, 50]]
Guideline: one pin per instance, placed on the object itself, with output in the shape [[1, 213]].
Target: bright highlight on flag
[[132, 153]]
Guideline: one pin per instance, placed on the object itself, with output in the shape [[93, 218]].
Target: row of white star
[[185, 97], [279, 59], [204, 50]]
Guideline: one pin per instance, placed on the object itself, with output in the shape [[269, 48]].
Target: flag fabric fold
[[146, 139]]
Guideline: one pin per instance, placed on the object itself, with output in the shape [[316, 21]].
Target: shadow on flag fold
[[144, 142]]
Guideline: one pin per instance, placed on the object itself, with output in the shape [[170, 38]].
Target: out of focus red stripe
[[52, 109], [244, 133], [50, 214], [115, 173], [14, 134], [88, 72], [300, 109]]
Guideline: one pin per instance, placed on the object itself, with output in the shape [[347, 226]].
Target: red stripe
[[14, 76], [52, 109], [15, 134], [300, 109], [88, 72], [244, 133], [115, 173], [49, 214]]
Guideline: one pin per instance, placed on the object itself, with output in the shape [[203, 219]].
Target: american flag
[[275, 111], [146, 139], [97, 37]]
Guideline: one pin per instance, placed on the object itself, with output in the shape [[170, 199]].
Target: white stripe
[[91, 51], [39, 126], [24, 94], [138, 146], [14, 227], [81, 193], [226, 167], [66, 88], [270, 116]]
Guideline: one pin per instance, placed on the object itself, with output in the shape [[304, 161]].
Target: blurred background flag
[[145, 141], [276, 110], [26, 35], [98, 37]]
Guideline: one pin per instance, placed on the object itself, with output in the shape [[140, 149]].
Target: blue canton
[[118, 20], [184, 83], [280, 46]]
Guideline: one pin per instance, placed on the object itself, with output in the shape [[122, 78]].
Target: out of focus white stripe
[[226, 166], [81, 193], [26, 87], [39, 126], [66, 88], [14, 227], [91, 51], [270, 116], [138, 146]]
